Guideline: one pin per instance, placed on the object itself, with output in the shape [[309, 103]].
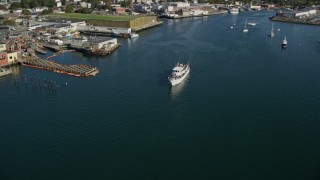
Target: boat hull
[[284, 46], [175, 82]]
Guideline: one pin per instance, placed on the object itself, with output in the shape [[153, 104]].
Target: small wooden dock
[[74, 70]]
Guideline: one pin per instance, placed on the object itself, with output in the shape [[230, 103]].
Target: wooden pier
[[58, 53], [103, 52], [74, 70]]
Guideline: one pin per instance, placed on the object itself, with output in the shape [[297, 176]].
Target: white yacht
[[179, 73], [284, 42], [234, 10], [134, 35], [252, 23]]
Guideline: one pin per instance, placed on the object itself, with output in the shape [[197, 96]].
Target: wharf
[[97, 33], [74, 70], [52, 47], [9, 64], [294, 20], [93, 51], [191, 16], [148, 26]]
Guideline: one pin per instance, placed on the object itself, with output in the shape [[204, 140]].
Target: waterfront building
[[255, 7], [179, 5], [3, 55], [305, 13], [8, 52], [12, 57], [141, 8], [12, 45], [62, 28], [184, 12], [119, 10], [3, 58], [105, 42], [58, 4]]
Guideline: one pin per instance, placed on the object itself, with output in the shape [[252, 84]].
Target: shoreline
[[293, 20]]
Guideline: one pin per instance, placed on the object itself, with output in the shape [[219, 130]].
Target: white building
[[84, 4], [58, 4], [197, 12], [255, 7], [107, 43], [305, 13], [180, 5]]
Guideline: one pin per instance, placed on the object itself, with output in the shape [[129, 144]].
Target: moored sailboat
[[272, 33], [245, 29], [284, 42]]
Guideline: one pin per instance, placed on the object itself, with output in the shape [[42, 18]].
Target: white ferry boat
[[179, 73]]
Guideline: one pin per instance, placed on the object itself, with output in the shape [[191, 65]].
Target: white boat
[[252, 23], [134, 35], [179, 73], [4, 71], [245, 29], [234, 10], [272, 33], [284, 42]]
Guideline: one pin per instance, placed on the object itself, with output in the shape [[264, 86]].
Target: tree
[[33, 4], [50, 10], [15, 6], [126, 3], [51, 3], [26, 12], [69, 8], [8, 23], [86, 11], [24, 4], [44, 12]]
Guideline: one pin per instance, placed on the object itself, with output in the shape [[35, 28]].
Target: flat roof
[[99, 39], [93, 16]]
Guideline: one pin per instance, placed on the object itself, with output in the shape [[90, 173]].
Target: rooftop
[[92, 16]]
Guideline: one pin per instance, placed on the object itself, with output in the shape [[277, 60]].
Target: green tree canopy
[[86, 11], [26, 12], [15, 6], [8, 23], [69, 8]]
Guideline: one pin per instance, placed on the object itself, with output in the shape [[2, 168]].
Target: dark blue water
[[248, 109]]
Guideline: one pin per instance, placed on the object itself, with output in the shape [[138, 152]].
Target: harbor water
[[248, 109]]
